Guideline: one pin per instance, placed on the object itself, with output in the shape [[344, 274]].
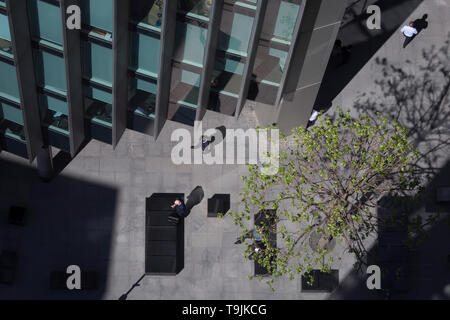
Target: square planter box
[[219, 203], [322, 281]]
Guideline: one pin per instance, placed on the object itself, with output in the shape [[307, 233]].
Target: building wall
[[315, 40], [138, 63]]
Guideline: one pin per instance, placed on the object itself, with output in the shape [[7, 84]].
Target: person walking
[[409, 32], [204, 143]]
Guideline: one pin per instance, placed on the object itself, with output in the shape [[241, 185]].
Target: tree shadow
[[364, 42], [418, 100], [414, 266]]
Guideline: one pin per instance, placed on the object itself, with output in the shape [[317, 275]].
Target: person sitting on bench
[[179, 206], [255, 234]]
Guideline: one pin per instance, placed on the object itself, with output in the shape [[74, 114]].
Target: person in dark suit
[[204, 143], [255, 234], [180, 208]]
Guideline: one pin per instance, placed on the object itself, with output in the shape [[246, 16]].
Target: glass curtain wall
[[190, 42], [273, 46], [146, 19], [97, 62], [231, 55], [12, 135], [11, 119], [5, 36], [46, 33]]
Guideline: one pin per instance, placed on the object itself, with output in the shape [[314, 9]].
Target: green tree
[[330, 180]]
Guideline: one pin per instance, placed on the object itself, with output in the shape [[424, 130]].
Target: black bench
[[89, 280], [321, 281], [17, 216], [164, 241], [219, 203], [393, 254], [8, 267], [264, 217]]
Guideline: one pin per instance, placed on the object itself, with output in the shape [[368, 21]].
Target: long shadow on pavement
[[70, 222], [365, 43]]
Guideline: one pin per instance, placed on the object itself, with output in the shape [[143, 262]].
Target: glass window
[[98, 14], [55, 104], [147, 12], [54, 113], [272, 50], [98, 94], [235, 33], [98, 104], [145, 53], [199, 9], [11, 113], [45, 21], [286, 19], [185, 87], [280, 19], [8, 81], [12, 129], [5, 35], [227, 75], [50, 70], [190, 43], [98, 64], [143, 97]]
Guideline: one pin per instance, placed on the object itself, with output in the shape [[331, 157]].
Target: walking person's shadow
[[136, 284], [194, 198], [421, 24]]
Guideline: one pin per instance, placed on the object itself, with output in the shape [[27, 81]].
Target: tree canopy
[[330, 180]]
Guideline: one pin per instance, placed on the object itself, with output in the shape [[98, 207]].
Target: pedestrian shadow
[[219, 135], [136, 284], [194, 198], [421, 24]]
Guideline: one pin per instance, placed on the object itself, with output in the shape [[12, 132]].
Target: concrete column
[[121, 51], [74, 81], [45, 163], [23, 59], [307, 60], [215, 18], [251, 54], [167, 44]]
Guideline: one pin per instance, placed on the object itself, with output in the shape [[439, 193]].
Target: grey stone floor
[[93, 213]]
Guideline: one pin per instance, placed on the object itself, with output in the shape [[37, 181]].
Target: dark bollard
[[44, 164]]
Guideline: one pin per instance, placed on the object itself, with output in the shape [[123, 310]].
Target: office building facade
[[136, 64]]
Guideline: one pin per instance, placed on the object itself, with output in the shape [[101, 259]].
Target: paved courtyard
[[93, 213]]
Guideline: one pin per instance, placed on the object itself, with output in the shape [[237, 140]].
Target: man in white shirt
[[409, 32]]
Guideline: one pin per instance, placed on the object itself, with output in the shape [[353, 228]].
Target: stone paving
[[138, 167], [110, 236]]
